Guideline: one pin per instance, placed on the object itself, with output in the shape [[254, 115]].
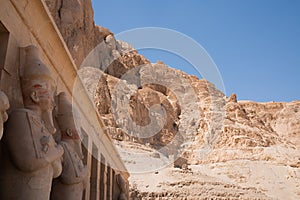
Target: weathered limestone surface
[[30, 157], [228, 133], [74, 177], [75, 19], [240, 149]]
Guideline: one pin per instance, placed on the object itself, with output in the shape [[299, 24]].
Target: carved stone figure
[[72, 182], [30, 157], [4, 105], [121, 188]]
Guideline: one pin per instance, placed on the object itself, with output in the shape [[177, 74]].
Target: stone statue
[[30, 157], [74, 177], [4, 105], [121, 188]]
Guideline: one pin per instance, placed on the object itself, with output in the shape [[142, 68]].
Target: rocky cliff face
[[75, 20], [234, 149]]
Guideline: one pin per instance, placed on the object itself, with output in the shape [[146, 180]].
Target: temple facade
[[29, 23]]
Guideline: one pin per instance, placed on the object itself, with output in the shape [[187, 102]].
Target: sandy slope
[[232, 179]]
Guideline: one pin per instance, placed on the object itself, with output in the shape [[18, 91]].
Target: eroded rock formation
[[240, 149], [75, 20]]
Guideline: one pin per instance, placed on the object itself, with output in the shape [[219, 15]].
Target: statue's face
[[3, 115], [45, 94], [1, 128], [46, 102], [3, 118], [72, 136], [41, 95]]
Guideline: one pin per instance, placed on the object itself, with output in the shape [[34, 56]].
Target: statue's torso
[[70, 185], [17, 182]]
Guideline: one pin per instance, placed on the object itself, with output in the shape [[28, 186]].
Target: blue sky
[[255, 44]]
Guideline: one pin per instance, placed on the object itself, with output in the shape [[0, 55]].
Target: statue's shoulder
[[19, 125], [22, 112], [23, 115], [17, 114]]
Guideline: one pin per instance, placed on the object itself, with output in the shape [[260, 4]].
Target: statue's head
[[67, 118], [4, 105], [37, 84], [38, 87]]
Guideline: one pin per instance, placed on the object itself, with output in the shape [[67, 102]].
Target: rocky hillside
[[234, 149], [75, 20]]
